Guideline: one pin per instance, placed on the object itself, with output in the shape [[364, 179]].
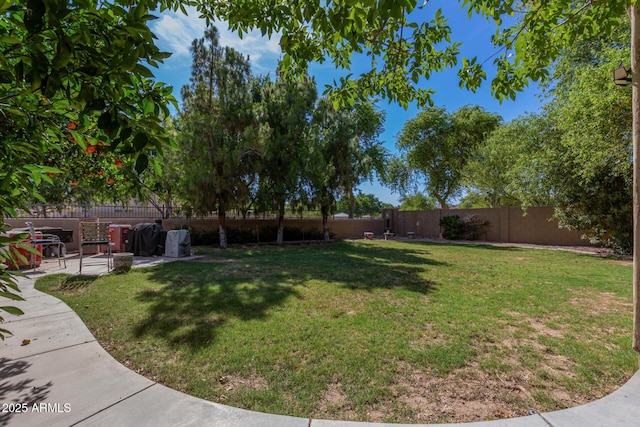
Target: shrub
[[474, 226], [456, 228], [244, 235], [204, 237], [452, 227]]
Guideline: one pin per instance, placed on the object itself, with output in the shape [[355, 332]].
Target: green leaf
[[141, 163], [79, 139], [64, 52], [9, 40], [140, 141], [104, 121], [143, 71], [148, 106], [125, 133], [34, 16], [12, 310], [11, 296], [4, 333]]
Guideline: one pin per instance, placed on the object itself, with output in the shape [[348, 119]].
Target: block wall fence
[[505, 225]]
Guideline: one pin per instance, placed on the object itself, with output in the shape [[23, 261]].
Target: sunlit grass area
[[371, 330]]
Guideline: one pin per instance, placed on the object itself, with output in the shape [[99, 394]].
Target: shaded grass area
[[371, 330]]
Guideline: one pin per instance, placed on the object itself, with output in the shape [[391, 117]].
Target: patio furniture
[[95, 234], [40, 241]]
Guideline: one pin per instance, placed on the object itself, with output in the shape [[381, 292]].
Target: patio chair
[[95, 234], [43, 241]]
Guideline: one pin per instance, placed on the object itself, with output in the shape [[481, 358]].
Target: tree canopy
[[435, 147], [416, 202], [406, 41]]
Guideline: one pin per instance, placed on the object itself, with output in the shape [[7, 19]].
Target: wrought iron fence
[[153, 211], [99, 211]]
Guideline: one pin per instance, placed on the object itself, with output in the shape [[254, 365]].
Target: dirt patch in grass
[[470, 394], [251, 382], [623, 262], [543, 330], [600, 302], [334, 398], [467, 394]]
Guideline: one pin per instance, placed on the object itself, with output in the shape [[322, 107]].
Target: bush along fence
[[468, 228], [265, 234]]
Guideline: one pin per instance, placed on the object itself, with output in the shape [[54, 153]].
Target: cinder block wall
[[341, 228], [505, 225]]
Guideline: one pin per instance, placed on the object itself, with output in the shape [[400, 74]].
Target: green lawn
[[371, 330]]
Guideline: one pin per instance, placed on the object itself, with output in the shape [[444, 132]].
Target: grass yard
[[371, 330]]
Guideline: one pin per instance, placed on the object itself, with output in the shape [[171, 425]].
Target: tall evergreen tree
[[346, 150], [287, 108], [218, 134]]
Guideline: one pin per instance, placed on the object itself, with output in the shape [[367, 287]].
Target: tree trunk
[[280, 238], [352, 203], [325, 224], [222, 227], [635, 72], [443, 203]]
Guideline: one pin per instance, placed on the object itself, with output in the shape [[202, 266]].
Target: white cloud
[[176, 31]]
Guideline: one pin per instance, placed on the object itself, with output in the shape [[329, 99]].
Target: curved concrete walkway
[[63, 377]]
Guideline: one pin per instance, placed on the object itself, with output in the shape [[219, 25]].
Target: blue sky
[[175, 33]]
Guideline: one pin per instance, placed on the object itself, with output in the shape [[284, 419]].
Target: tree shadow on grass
[[75, 283], [64, 282], [196, 299], [369, 267], [471, 244]]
